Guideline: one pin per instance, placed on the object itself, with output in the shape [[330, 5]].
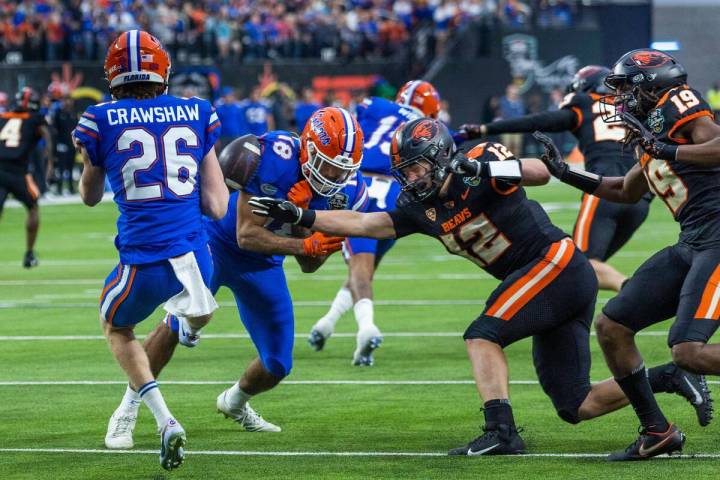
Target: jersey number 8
[[180, 168]]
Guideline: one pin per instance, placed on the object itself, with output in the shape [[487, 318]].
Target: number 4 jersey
[[691, 192], [496, 227], [151, 151], [19, 134]]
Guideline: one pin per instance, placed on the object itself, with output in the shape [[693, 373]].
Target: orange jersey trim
[[22, 115], [122, 298], [32, 187], [685, 120], [529, 285], [579, 114], [709, 307], [111, 284], [493, 184], [581, 235]]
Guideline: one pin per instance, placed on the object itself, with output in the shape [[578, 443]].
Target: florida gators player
[[378, 118], [157, 152], [317, 170]]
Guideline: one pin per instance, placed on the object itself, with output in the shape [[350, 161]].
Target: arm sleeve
[[403, 223], [87, 134], [557, 121], [212, 130]]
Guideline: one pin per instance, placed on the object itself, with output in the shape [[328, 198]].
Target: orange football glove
[[300, 194], [318, 244]]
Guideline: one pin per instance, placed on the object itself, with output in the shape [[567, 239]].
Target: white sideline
[[35, 383], [215, 336], [250, 453]]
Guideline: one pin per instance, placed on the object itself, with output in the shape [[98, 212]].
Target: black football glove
[[558, 168], [461, 165], [647, 141], [282, 210], [471, 131]]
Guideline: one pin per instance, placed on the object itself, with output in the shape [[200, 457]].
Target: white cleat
[[319, 334], [368, 339], [185, 334], [172, 443], [248, 418], [119, 434]]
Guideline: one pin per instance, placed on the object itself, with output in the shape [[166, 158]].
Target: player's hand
[[472, 130], [461, 165], [300, 194], [282, 210], [647, 141], [318, 245], [552, 158]]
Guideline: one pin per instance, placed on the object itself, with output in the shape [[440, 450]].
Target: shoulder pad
[[239, 161]]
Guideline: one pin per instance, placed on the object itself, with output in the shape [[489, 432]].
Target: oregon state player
[[602, 227], [678, 152], [378, 118], [547, 288], [20, 132], [157, 152]]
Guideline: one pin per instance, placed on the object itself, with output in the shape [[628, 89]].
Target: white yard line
[[251, 453], [216, 336]]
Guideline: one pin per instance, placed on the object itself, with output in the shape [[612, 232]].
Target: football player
[[317, 170], [378, 118], [20, 131], [547, 287], [678, 154], [602, 227], [157, 152]]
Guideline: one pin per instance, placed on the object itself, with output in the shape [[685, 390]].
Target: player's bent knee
[[608, 329], [685, 355], [279, 368], [568, 401]]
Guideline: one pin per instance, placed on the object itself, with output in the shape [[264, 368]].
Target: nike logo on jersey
[[470, 451], [465, 194]]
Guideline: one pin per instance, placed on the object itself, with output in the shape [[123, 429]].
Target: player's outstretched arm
[[627, 189], [534, 172], [705, 136], [213, 192], [252, 235], [557, 121], [343, 223], [92, 180]]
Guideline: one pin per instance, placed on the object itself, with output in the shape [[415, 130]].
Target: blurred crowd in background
[[243, 30]]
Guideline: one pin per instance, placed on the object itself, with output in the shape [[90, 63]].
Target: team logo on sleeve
[[339, 201], [431, 214], [656, 120]]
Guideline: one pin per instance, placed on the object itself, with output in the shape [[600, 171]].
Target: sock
[[131, 400], [236, 397], [660, 376], [340, 304], [498, 412], [637, 389], [150, 394], [364, 313]]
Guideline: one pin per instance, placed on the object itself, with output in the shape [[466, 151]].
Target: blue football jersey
[[277, 172], [151, 151], [378, 119], [255, 115]]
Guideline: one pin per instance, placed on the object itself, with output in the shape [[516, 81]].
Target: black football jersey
[[600, 142], [691, 192], [19, 134], [496, 227]]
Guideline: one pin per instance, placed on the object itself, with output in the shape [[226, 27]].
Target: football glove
[[558, 168], [282, 210], [318, 245], [508, 171], [300, 194], [472, 130], [647, 141]]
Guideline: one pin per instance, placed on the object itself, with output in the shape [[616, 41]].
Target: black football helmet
[[27, 100], [425, 142], [638, 80], [590, 79]]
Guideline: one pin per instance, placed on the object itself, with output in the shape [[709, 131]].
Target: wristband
[[307, 218], [586, 181]]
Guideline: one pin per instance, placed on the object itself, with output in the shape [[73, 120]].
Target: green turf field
[[393, 420]]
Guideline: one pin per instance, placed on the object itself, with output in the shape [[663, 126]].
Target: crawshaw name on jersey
[[456, 220], [166, 114]]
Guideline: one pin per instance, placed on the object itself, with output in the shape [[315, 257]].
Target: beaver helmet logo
[[423, 131], [650, 59]]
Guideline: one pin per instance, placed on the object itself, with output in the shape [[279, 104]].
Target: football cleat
[[30, 260], [248, 418], [120, 429], [319, 334], [695, 390], [172, 443], [184, 332], [651, 444], [368, 339], [502, 440]]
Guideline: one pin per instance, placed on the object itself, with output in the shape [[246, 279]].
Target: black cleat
[[30, 260], [651, 444], [317, 340], [694, 389], [503, 440]]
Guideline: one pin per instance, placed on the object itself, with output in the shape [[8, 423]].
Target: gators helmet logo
[[648, 59]]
